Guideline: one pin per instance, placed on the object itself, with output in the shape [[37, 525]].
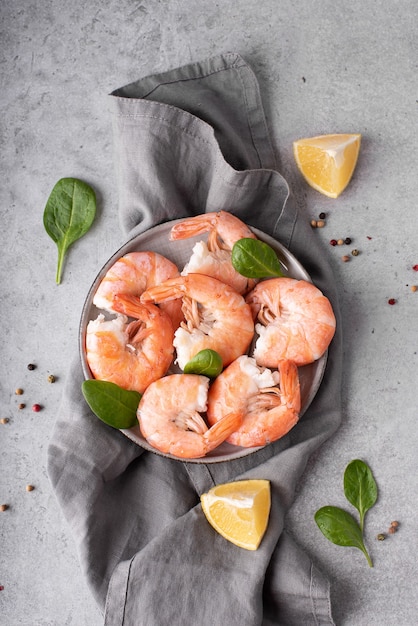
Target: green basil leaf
[[341, 528], [206, 362], [113, 405], [255, 259], [68, 215], [360, 488]]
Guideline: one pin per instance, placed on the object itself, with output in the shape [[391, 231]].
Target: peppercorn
[[4, 507], [51, 378], [30, 487], [391, 301], [381, 537], [320, 223], [313, 223], [340, 242], [36, 408], [394, 524], [414, 288], [19, 391], [333, 242], [355, 252], [21, 405], [345, 258], [347, 240], [31, 366], [322, 216], [392, 530], [4, 420]]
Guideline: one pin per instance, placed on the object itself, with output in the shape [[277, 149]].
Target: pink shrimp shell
[[302, 322], [267, 420], [169, 417]]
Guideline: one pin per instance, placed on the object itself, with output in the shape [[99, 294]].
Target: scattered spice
[[391, 530], [391, 301], [355, 252], [320, 224], [36, 408], [322, 216], [345, 258], [31, 366], [1, 588], [4, 507], [347, 240], [51, 378], [340, 242], [19, 391], [30, 487], [415, 267], [21, 405], [414, 288], [314, 223], [4, 420], [333, 242], [369, 238]]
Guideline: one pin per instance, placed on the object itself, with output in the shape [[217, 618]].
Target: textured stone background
[[323, 67]]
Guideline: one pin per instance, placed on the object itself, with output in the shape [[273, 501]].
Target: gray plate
[[157, 239]]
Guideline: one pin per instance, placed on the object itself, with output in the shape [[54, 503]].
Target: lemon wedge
[[239, 511], [327, 162]]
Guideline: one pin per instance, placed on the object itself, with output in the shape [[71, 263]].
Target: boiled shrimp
[[216, 317], [132, 274], [294, 321], [269, 401], [213, 257], [130, 354], [169, 416]]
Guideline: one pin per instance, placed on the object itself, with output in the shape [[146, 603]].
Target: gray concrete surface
[[323, 67]]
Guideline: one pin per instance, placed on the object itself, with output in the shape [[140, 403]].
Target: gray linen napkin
[[191, 140]]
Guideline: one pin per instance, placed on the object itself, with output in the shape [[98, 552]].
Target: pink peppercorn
[[333, 242], [391, 301], [415, 267], [36, 408]]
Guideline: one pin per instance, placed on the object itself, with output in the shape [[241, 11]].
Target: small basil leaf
[[255, 259], [206, 362], [113, 405], [68, 215], [341, 528], [360, 488]]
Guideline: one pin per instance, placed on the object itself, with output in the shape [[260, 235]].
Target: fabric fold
[[188, 141]]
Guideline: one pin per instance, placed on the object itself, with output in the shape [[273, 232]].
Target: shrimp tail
[[171, 289], [223, 429], [289, 384], [193, 226], [134, 307]]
